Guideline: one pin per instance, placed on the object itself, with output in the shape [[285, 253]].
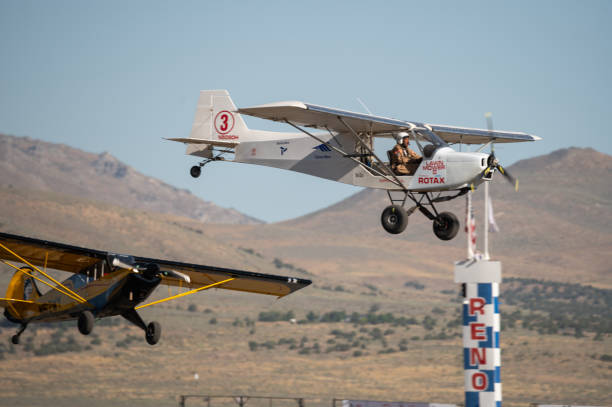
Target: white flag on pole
[[470, 226], [492, 225]]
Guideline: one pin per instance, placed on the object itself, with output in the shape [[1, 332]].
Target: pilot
[[404, 161]]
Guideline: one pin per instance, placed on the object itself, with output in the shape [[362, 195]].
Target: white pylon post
[[486, 221], [481, 326]]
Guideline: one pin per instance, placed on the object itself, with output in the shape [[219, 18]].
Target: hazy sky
[[118, 76]]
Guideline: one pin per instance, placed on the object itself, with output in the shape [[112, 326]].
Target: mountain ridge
[[45, 166]]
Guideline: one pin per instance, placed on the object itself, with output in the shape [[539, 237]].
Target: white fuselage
[[445, 170]]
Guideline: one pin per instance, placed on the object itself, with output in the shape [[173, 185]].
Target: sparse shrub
[[312, 317], [273, 316], [333, 316], [414, 284], [429, 322], [213, 321]]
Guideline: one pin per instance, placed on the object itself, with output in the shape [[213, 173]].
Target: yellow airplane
[[106, 284]]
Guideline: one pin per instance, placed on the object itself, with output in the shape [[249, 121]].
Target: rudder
[[216, 118], [21, 287]]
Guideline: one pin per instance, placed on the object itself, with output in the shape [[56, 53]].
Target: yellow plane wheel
[[153, 333], [86, 322]]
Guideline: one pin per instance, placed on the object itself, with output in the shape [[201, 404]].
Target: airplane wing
[[326, 118], [75, 259], [201, 276], [465, 135], [48, 254], [322, 117]]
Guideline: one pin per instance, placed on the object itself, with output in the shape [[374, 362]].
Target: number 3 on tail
[[224, 122]]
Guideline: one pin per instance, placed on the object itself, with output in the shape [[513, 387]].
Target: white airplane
[[344, 152]]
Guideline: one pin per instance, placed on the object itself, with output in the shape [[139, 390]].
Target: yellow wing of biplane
[[75, 259]]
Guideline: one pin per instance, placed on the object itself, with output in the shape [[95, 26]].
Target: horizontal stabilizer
[[216, 143], [4, 302]]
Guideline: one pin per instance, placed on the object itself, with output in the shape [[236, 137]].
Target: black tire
[[86, 322], [153, 333], [195, 171], [394, 219], [446, 226], [15, 339]]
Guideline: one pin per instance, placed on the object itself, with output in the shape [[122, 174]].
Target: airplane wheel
[[86, 322], [153, 333], [195, 171], [446, 226], [15, 339], [394, 219]]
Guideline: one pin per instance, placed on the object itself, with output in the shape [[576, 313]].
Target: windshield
[[429, 136]]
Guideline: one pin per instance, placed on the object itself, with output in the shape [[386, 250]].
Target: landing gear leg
[[15, 338], [445, 224], [196, 170], [152, 331]]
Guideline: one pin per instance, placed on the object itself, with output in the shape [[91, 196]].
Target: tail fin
[[216, 118]]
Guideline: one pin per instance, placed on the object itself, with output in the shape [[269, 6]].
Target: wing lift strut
[[393, 178], [29, 271], [421, 199]]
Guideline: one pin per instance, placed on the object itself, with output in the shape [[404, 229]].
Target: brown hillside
[[355, 267], [37, 165], [558, 226]]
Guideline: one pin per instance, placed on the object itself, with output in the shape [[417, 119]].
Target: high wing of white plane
[[341, 148]]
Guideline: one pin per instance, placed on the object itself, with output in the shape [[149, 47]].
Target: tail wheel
[[86, 322], [446, 226], [195, 171], [153, 333], [394, 219], [15, 339]]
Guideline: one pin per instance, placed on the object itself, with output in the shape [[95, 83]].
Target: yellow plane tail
[[22, 291]]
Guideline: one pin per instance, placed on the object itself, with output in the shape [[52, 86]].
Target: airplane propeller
[[151, 270], [493, 163]]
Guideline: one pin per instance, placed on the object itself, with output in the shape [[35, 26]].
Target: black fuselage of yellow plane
[[112, 294]]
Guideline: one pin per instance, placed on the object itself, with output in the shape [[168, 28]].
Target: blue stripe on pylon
[[466, 317], [471, 399], [485, 291], [488, 343]]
